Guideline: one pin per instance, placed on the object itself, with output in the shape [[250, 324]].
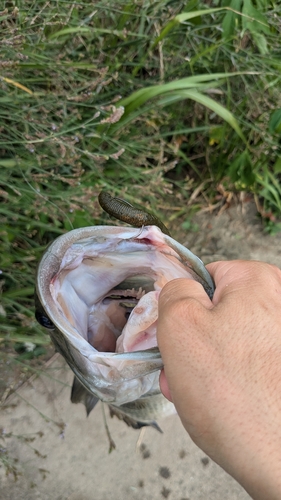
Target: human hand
[[222, 368]]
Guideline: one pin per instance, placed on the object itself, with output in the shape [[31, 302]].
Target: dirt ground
[[59, 454]]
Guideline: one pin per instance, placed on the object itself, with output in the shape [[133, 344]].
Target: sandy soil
[[62, 455]]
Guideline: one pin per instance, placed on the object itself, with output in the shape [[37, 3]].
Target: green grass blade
[[8, 163], [208, 102], [181, 18], [141, 96], [69, 31]]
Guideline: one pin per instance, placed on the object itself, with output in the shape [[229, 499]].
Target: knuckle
[[255, 271]]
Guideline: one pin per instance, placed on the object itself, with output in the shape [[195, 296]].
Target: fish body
[[97, 291]]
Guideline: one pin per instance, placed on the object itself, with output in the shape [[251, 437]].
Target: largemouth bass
[[97, 292]]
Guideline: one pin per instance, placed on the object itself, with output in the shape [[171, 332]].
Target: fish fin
[[131, 422], [156, 426], [79, 394]]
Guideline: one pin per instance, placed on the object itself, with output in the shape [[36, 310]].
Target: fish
[[97, 291]]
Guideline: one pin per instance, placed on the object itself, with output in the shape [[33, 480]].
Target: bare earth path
[[68, 458]]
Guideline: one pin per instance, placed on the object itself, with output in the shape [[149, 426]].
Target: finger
[[181, 306], [234, 270], [236, 276], [181, 289], [164, 386], [183, 338], [184, 310]]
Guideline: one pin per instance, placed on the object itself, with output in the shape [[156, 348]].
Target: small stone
[[164, 472], [205, 461], [165, 492]]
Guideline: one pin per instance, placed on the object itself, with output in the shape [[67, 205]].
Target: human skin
[[222, 369]]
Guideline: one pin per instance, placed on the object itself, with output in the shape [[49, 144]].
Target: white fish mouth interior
[[108, 289]]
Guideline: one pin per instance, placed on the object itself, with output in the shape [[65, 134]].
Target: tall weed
[[149, 100]]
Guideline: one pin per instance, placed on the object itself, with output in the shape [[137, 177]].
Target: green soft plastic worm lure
[[125, 212]]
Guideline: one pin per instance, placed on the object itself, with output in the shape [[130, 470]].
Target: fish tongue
[[140, 329]]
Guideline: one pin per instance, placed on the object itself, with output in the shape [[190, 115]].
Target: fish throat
[[128, 293]]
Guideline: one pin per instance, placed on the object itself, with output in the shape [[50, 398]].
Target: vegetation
[[158, 102]]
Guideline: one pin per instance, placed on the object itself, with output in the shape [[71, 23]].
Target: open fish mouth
[[98, 287]]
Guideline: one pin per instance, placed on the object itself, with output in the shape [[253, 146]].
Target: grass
[[126, 96]]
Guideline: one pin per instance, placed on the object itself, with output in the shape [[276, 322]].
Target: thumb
[[181, 289], [182, 312]]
